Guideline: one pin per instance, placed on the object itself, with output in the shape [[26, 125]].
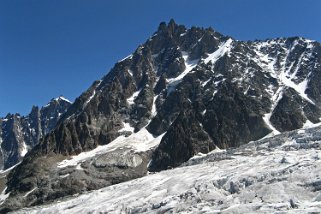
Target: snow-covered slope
[[273, 175], [141, 141]]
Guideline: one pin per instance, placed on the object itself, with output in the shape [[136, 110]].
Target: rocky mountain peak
[[182, 92], [174, 36], [19, 134], [171, 29], [174, 67], [61, 99]]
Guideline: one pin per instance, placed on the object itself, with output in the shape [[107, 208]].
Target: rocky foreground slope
[[182, 92], [274, 175]]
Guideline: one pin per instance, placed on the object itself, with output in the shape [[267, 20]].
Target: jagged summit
[[57, 100], [171, 29], [184, 91], [19, 134], [61, 98]]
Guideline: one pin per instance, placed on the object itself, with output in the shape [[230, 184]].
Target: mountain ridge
[[232, 92], [19, 134]]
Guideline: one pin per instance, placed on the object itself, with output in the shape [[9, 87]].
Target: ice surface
[[63, 98], [90, 98], [130, 72], [131, 99], [272, 175], [300, 88], [78, 167], [309, 124], [140, 141], [58, 99], [127, 127], [9, 169], [28, 193], [154, 110], [221, 51], [189, 65], [64, 176], [92, 95], [275, 100], [127, 57], [24, 150], [205, 83], [4, 196], [283, 75]]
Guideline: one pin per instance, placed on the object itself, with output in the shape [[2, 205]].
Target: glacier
[[280, 174]]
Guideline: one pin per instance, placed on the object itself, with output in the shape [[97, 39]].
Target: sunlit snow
[[3, 195], [189, 65], [140, 141], [283, 75], [63, 98], [154, 110], [126, 127], [127, 57], [131, 99], [221, 51], [267, 176], [92, 95], [24, 149], [275, 100]]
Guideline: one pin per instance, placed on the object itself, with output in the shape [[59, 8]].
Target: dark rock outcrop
[[19, 134], [184, 139]]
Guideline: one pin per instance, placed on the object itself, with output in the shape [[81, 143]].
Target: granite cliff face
[[182, 92], [19, 134]]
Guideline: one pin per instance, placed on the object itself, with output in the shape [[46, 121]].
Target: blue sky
[[51, 48]]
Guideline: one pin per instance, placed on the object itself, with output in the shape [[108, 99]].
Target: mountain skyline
[[183, 92], [66, 46]]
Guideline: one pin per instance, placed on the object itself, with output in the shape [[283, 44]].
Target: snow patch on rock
[[131, 100], [189, 65], [221, 51], [140, 141]]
